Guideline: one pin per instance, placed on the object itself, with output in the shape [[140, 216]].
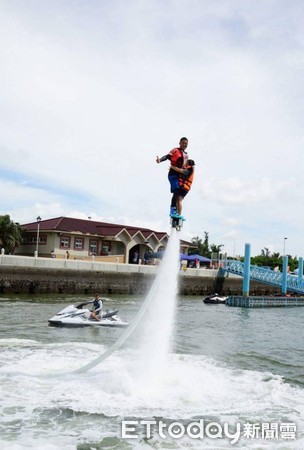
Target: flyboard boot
[[176, 219]]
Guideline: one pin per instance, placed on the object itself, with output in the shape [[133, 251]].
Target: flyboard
[[176, 222]]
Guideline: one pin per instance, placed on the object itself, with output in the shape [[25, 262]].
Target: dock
[[264, 302]]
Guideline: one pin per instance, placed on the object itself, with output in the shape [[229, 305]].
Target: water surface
[[226, 365]]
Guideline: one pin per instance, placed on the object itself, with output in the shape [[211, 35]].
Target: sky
[[92, 91]]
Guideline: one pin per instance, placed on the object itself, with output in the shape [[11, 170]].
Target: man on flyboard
[[180, 176]]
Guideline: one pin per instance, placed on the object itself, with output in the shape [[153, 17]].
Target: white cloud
[[92, 92], [236, 190]]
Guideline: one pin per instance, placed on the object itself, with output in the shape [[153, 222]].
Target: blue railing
[[267, 276]]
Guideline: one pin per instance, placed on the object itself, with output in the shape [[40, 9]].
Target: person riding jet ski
[[97, 307]]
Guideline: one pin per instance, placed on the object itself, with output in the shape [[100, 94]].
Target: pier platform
[[264, 302]]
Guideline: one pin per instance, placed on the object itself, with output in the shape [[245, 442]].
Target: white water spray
[[160, 301], [156, 327]]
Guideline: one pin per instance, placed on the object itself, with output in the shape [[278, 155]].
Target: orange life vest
[[178, 157], [185, 183]]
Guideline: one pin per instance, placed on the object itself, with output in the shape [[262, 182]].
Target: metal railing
[[267, 276]]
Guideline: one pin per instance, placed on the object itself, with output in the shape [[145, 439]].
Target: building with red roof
[[63, 237]]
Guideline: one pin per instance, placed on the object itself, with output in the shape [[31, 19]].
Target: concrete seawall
[[44, 275]]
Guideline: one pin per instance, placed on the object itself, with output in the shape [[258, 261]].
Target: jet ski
[[80, 316], [215, 299]]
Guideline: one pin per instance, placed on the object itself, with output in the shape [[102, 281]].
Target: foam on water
[[192, 387]]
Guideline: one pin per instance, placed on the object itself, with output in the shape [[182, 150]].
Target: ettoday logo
[[177, 430], [213, 430]]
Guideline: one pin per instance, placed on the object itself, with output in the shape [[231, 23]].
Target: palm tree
[[202, 246], [216, 248], [10, 234]]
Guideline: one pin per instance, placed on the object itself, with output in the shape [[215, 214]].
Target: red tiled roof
[[69, 224], [187, 244]]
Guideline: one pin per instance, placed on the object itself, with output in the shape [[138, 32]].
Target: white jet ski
[[80, 316], [215, 299]]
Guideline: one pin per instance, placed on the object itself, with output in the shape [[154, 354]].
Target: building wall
[[60, 243]]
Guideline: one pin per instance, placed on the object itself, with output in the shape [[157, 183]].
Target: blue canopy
[[183, 256], [194, 257]]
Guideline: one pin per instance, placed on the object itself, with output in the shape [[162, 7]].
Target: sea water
[[213, 364]]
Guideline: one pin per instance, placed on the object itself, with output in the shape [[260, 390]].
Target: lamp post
[[284, 246], [221, 255], [38, 229]]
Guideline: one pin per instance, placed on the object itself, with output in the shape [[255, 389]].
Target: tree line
[[266, 258], [11, 234], [203, 247]]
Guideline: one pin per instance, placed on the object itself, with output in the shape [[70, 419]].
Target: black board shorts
[[181, 192]]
